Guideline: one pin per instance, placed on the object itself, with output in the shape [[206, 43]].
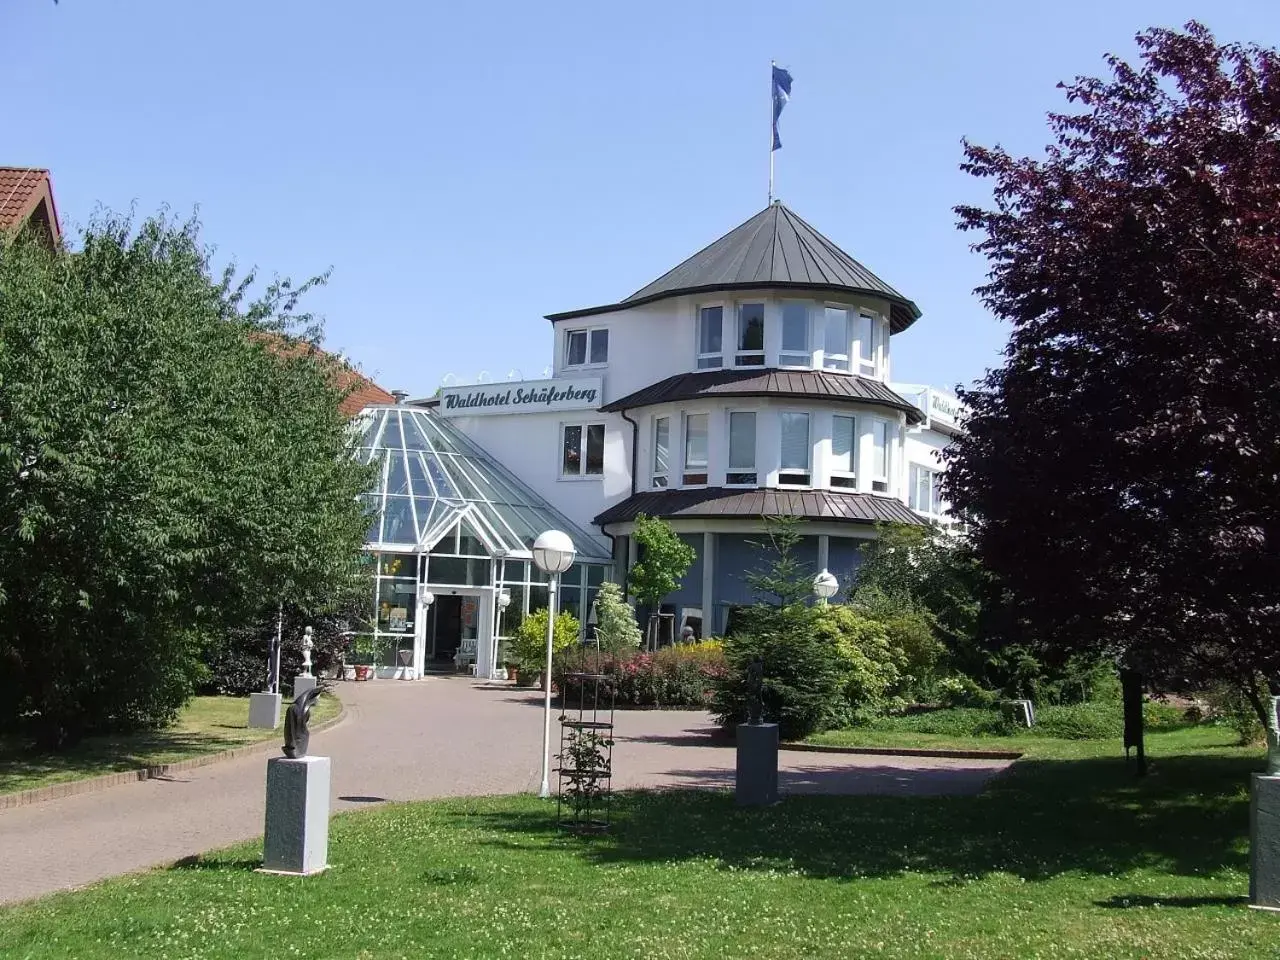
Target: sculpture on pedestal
[[308, 644], [296, 734], [1273, 738]]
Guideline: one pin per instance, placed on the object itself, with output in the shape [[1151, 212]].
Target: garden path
[[406, 741]]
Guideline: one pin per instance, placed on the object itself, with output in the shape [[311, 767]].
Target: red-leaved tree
[[1123, 467]]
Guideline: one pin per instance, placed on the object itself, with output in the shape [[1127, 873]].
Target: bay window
[[836, 338], [586, 347], [795, 450], [844, 452], [695, 449], [882, 436], [710, 337], [582, 450], [750, 344], [742, 450], [795, 335], [661, 451]]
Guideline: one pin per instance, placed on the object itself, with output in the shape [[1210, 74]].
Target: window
[[695, 449], [925, 494], [882, 433], [844, 445], [661, 451], [750, 335], [742, 450], [867, 328], [795, 450], [710, 337], [582, 347], [582, 450], [795, 336], [835, 338]]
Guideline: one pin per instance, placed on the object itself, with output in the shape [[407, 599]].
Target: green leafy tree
[[172, 463], [616, 627], [664, 560], [529, 640], [787, 580]]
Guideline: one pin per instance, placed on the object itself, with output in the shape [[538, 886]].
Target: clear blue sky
[[467, 168]]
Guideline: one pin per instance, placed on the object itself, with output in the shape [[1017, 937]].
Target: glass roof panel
[[444, 474]]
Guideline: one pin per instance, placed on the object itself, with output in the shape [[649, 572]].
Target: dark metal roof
[[726, 502], [767, 382], [775, 248]]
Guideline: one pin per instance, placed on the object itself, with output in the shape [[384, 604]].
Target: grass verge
[[206, 725], [1058, 858]]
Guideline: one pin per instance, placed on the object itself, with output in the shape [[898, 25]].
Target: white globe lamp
[[553, 554], [825, 585]]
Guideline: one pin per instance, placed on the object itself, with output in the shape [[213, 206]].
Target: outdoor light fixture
[[825, 585], [504, 599], [553, 553], [426, 598]]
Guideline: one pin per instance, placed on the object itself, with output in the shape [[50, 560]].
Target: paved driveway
[[406, 741]]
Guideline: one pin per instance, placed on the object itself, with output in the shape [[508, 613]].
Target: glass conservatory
[[450, 538]]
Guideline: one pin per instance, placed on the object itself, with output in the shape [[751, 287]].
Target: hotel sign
[[945, 409], [521, 396]]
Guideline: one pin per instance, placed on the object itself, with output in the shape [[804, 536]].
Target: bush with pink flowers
[[679, 676]]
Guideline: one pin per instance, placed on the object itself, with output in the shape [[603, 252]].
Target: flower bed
[[675, 677]]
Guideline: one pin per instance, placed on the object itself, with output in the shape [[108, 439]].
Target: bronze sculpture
[[296, 734]]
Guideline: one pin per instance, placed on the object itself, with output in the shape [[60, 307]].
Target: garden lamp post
[[504, 601], [425, 599], [825, 586], [553, 554]]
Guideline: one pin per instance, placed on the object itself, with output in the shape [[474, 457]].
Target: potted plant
[[370, 649], [507, 659]]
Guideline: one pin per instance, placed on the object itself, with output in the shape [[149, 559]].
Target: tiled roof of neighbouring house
[[774, 249], [26, 193], [767, 382], [866, 508]]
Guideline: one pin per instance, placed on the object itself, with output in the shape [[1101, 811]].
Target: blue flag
[[781, 94]]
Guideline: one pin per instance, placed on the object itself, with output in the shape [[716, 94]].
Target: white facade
[[924, 466]]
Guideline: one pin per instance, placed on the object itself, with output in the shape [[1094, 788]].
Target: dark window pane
[[595, 448], [599, 346], [571, 463], [710, 324], [576, 348], [751, 326]]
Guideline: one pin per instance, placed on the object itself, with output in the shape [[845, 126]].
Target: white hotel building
[[751, 380]]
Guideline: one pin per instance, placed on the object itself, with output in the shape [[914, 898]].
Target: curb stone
[[71, 788], [906, 751]]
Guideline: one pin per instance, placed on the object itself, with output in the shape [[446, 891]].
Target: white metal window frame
[[739, 351], [590, 335], [792, 357], [582, 473], [660, 479], [783, 470], [692, 468], [882, 456], [840, 362], [711, 360], [852, 474], [730, 468]]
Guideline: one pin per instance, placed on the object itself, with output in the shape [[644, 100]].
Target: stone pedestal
[[757, 780], [264, 710], [297, 831], [1264, 842], [302, 684]]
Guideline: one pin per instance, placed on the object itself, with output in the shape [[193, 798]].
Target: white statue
[[307, 644], [1273, 738]]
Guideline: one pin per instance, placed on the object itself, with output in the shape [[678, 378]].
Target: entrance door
[[446, 628]]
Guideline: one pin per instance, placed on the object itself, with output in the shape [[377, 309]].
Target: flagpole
[[771, 131]]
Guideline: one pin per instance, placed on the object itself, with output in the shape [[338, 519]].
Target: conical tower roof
[[775, 248]]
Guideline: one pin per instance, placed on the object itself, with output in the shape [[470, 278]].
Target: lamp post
[[504, 601], [825, 586], [553, 554], [425, 599]]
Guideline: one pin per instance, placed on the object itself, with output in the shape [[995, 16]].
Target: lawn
[[1058, 858], [206, 725]]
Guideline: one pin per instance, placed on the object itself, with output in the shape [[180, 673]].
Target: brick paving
[[407, 741]]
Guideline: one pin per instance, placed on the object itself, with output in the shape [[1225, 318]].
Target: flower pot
[[364, 672]]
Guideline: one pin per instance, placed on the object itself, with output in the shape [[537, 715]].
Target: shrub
[[869, 662], [1081, 721], [237, 664], [1228, 705], [804, 675], [963, 692], [616, 629], [528, 643], [955, 722]]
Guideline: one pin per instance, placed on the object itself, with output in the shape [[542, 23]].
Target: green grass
[[1056, 859], [206, 725]]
